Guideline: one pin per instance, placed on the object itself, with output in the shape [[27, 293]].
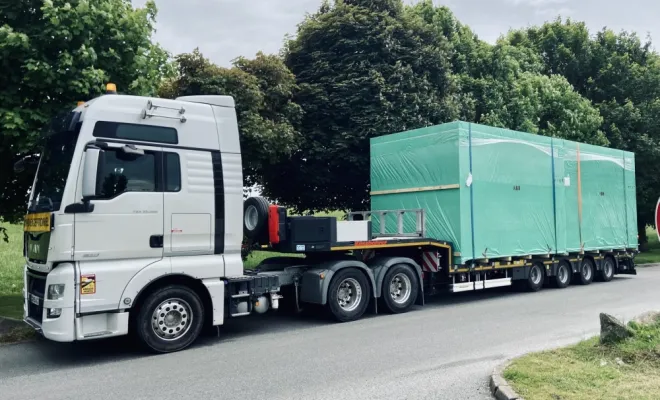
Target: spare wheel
[[255, 218]]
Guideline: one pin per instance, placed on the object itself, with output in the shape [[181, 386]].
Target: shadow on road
[[46, 354]]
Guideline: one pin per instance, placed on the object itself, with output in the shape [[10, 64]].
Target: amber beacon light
[[111, 88]]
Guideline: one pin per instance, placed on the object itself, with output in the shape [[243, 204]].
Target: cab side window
[[172, 172], [118, 174]]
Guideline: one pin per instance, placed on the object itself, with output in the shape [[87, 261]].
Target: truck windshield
[[56, 156]]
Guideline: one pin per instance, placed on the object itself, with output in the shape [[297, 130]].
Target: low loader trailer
[[136, 222]]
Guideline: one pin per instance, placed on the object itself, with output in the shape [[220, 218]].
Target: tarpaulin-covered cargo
[[497, 193]]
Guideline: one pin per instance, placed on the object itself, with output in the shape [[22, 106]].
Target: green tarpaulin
[[497, 193]]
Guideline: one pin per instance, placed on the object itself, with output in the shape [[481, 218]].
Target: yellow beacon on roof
[[111, 88]]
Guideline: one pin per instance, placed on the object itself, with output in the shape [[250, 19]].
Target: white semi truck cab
[[136, 205], [136, 222]]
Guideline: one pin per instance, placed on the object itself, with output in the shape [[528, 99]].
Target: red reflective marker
[[657, 221]]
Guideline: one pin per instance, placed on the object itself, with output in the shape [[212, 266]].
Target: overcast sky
[[226, 29]]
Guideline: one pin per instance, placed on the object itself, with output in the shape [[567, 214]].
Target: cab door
[[124, 232]]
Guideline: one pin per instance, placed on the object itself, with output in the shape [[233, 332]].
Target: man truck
[[136, 222]]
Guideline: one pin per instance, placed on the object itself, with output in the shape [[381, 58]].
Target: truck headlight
[[54, 312], [56, 292]]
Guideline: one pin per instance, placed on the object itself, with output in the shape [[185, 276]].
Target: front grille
[[36, 288]]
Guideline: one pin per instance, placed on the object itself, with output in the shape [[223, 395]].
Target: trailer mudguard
[[315, 282], [380, 266]]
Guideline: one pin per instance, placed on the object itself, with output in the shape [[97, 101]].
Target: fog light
[[54, 312], [55, 292]]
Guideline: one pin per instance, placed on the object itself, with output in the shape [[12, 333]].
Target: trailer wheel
[[400, 288], [607, 271], [348, 295], [586, 274], [536, 277], [255, 218], [170, 319], [563, 277]]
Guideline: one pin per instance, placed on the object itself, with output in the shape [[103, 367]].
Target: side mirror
[[23, 163], [19, 166], [90, 172]]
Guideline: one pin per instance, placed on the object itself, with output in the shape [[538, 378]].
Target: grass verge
[[652, 255], [11, 273], [19, 334], [590, 370]]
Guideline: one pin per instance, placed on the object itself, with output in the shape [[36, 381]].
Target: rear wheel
[[170, 319], [348, 295], [536, 277], [586, 274], [606, 273], [400, 289], [563, 277]]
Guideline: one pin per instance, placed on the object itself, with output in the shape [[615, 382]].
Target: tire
[[606, 273], [400, 289], [586, 273], [179, 307], [345, 286], [255, 218], [536, 277], [563, 277]]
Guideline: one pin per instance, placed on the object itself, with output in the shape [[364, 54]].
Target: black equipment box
[[309, 234]]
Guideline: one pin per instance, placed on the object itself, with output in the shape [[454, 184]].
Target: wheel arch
[[614, 258], [380, 266], [175, 279], [592, 259]]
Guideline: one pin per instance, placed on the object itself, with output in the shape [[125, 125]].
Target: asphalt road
[[445, 350]]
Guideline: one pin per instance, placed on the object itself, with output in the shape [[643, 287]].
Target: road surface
[[445, 350]]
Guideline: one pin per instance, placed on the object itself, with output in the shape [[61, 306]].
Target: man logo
[[34, 248]]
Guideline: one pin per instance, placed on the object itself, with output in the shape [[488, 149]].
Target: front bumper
[[59, 328], [67, 326]]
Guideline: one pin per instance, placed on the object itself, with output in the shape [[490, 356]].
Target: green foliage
[[55, 53], [263, 90], [545, 105]]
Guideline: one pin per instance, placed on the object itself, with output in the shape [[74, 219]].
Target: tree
[[547, 106], [55, 53], [364, 68], [262, 89]]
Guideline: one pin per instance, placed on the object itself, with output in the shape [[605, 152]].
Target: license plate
[[37, 223], [34, 299]]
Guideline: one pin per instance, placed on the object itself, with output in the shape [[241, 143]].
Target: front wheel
[[348, 295], [400, 288], [170, 319]]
